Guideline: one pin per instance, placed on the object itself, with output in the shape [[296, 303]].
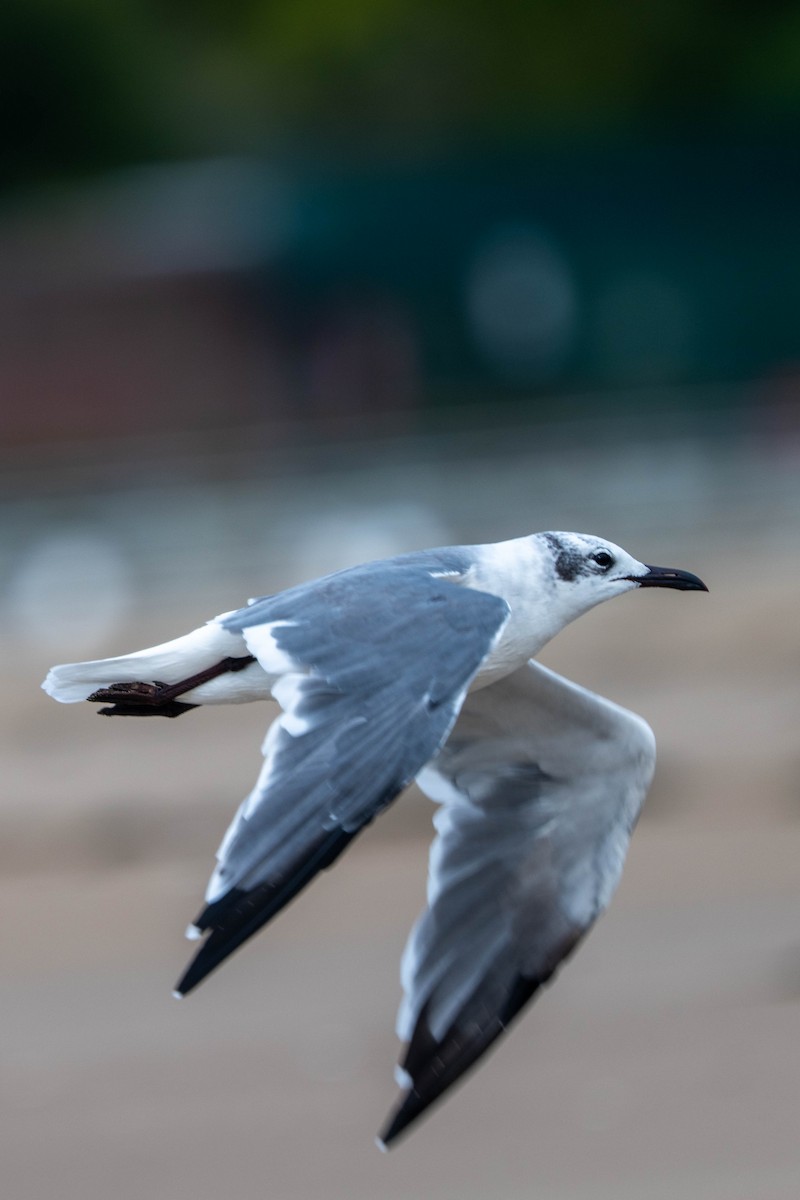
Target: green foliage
[[86, 84], [81, 86]]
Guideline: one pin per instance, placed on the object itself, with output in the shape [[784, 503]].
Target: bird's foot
[[132, 693], [139, 700]]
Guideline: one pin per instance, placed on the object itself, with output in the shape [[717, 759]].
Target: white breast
[[516, 571]]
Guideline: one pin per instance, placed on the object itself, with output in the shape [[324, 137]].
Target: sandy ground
[[663, 1064]]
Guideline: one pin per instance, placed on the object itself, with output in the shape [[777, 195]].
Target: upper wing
[[374, 665], [541, 784]]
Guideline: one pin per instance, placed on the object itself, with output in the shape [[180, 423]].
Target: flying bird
[[420, 667]]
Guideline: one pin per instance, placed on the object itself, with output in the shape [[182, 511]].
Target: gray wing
[[373, 666], [541, 783]]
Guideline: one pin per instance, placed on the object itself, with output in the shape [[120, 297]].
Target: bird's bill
[[668, 577]]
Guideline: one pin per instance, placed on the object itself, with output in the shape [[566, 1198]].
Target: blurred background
[[285, 286]]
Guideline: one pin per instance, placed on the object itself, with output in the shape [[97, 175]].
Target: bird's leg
[[136, 699]]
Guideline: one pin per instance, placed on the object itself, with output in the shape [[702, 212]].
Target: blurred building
[[197, 296]]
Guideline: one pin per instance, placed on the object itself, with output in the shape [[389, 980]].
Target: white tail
[[167, 663]]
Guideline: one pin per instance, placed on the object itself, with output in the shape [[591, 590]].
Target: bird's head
[[589, 569]]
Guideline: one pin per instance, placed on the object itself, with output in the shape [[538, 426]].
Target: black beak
[[666, 577]]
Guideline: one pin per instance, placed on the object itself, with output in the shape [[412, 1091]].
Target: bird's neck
[[521, 573]]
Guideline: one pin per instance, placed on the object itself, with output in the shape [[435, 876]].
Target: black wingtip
[[434, 1066], [409, 1109], [230, 922], [239, 914], [195, 973]]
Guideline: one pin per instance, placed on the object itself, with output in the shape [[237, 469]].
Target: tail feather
[[71, 682], [168, 662]]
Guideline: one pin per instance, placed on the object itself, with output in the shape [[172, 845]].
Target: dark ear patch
[[568, 561]]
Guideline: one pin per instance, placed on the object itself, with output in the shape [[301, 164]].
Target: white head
[[587, 570]]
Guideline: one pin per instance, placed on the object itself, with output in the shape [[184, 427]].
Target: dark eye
[[603, 559]]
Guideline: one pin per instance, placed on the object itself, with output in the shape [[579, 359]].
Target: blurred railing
[[90, 537]]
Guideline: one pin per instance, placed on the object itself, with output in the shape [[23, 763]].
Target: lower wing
[[541, 783]]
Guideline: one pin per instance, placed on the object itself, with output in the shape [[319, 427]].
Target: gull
[[420, 667]]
